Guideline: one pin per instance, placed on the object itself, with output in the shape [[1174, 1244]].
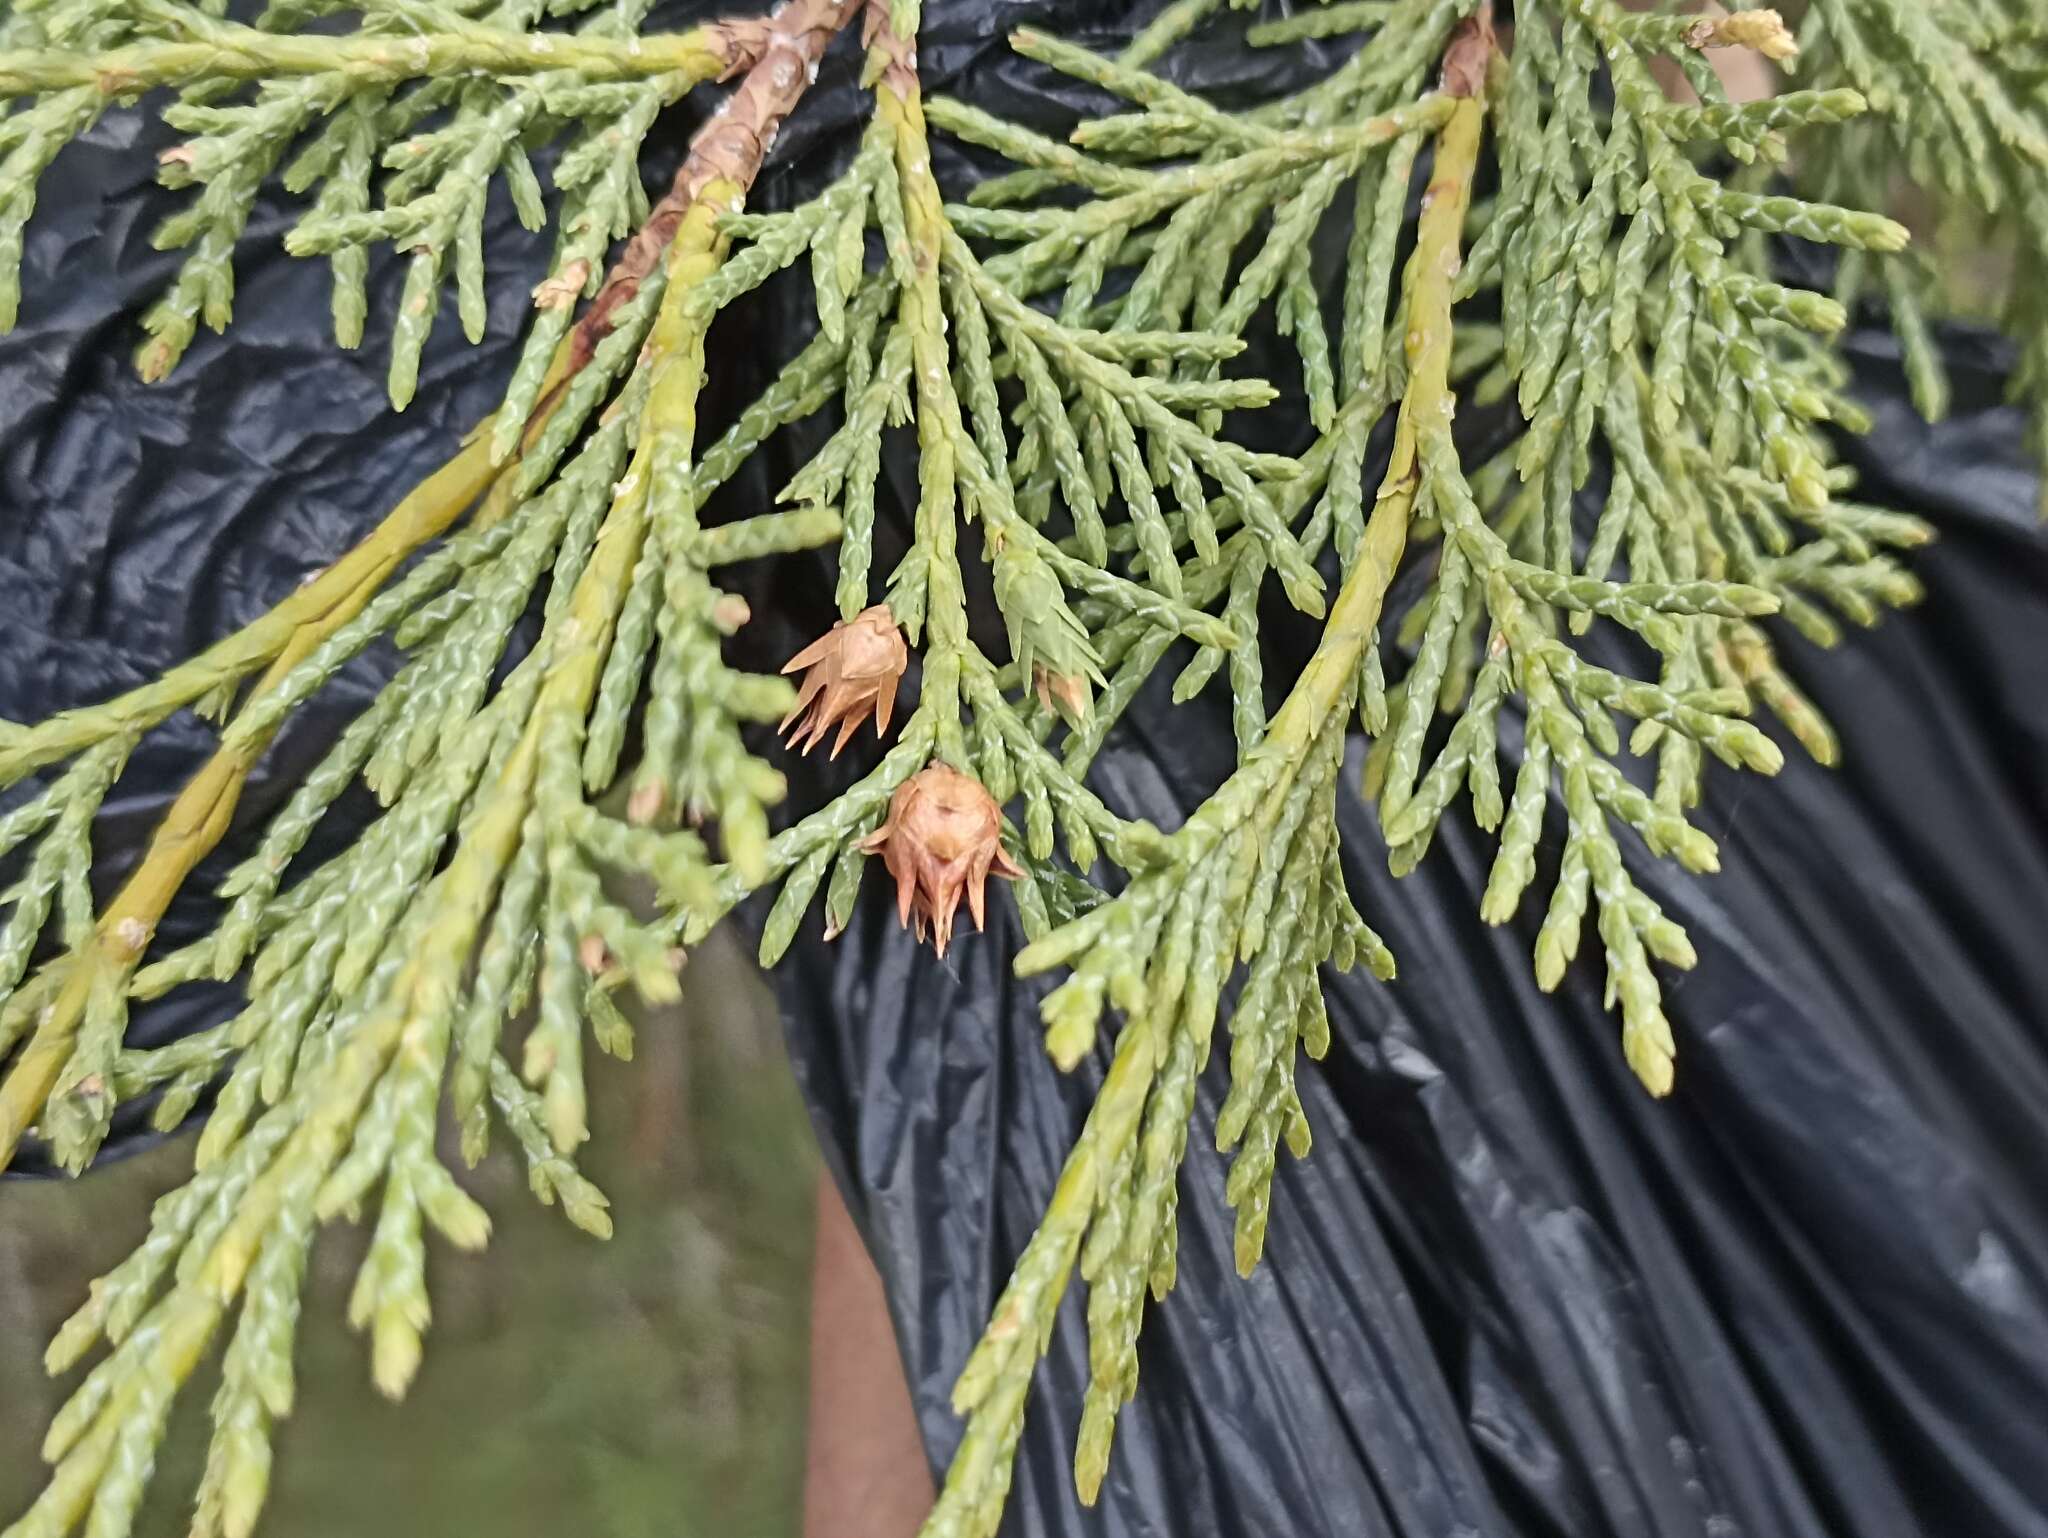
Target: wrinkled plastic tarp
[[1806, 1297]]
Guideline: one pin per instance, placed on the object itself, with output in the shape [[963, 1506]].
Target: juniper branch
[[219, 50], [1653, 364]]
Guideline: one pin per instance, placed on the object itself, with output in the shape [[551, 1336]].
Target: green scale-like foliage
[[1060, 338]]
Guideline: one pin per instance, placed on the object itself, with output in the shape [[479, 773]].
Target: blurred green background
[[649, 1387]]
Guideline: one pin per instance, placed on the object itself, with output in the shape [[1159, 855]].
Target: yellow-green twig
[[329, 598], [228, 51]]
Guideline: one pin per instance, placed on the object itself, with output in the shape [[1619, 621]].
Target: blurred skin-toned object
[[866, 1475]]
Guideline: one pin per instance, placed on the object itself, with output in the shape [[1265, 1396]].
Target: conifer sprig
[[361, 996], [1956, 100], [345, 106], [1061, 342]]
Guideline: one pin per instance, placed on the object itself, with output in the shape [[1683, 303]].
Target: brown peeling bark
[[1468, 55], [779, 55], [897, 55]]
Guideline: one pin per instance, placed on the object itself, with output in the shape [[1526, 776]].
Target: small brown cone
[[849, 672], [941, 840]]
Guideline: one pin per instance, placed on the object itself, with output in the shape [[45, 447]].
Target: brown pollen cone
[[849, 671], [942, 838]]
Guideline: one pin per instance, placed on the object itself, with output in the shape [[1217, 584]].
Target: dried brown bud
[[941, 839], [564, 288], [852, 669], [729, 613], [645, 804], [1765, 31], [1065, 692]]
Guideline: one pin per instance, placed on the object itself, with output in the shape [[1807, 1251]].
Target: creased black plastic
[[1806, 1297]]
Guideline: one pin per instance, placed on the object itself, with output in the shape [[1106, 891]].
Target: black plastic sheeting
[[1508, 1294]]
